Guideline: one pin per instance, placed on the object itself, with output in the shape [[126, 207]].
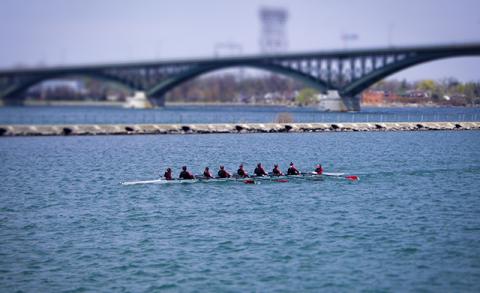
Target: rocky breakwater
[[130, 129]]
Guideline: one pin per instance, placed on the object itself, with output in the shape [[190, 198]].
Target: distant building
[[417, 94], [373, 97], [273, 33]]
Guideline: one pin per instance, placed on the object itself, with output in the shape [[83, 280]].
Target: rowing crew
[[222, 173]]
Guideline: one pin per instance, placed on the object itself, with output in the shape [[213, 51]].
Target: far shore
[[90, 103]]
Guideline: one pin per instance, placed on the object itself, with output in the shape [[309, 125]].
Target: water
[[225, 114], [412, 223]]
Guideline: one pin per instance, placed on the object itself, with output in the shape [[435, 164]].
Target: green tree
[[427, 85], [403, 86], [460, 89], [306, 96], [469, 92]]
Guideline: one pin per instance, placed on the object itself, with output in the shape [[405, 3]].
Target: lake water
[[225, 114], [412, 223]]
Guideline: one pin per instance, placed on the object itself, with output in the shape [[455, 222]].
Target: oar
[[348, 177]]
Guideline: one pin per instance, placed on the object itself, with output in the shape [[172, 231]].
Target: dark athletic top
[[259, 171], [277, 172], [207, 174], [185, 175], [168, 175], [293, 171], [223, 174], [242, 173]]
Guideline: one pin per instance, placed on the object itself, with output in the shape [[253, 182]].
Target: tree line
[[234, 87], [437, 91]]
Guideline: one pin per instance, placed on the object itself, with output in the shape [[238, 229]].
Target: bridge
[[348, 72]]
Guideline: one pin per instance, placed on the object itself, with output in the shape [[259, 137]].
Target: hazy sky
[[58, 32]]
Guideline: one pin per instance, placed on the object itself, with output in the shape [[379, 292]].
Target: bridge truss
[[349, 72]]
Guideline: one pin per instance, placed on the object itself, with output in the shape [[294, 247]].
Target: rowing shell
[[247, 180]]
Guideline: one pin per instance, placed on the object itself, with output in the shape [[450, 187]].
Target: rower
[[292, 170], [319, 169], [241, 172], [206, 173], [222, 173], [168, 174], [185, 174], [276, 171], [259, 171]]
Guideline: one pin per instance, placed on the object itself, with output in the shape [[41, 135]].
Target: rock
[[66, 131]]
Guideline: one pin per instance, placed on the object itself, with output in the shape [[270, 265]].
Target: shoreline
[[60, 103], [413, 105], [138, 129]]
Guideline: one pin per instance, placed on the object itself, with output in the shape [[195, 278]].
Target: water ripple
[[410, 224]]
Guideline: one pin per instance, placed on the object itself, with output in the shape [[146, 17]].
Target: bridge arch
[[19, 88], [159, 90], [375, 76]]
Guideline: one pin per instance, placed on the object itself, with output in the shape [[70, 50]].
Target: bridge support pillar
[[139, 100], [332, 101], [157, 101], [352, 103]]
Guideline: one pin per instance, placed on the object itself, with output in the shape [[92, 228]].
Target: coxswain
[[259, 171], [206, 173], [319, 169], [276, 171], [168, 174], [292, 170], [241, 172], [222, 173], [185, 174]]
